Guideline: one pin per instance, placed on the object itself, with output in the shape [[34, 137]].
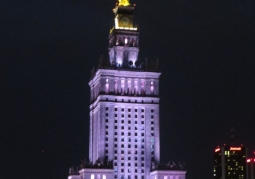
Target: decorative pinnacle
[[124, 3]]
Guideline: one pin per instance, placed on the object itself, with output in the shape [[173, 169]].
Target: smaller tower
[[123, 38]]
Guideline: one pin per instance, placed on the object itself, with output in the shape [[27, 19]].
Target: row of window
[[129, 133], [129, 177], [129, 109]]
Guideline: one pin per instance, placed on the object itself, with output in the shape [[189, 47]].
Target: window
[[129, 146], [142, 110], [104, 177], [129, 134], [142, 158], [122, 109], [142, 134], [135, 110], [129, 158], [135, 116], [122, 115], [136, 165], [135, 122], [115, 121], [129, 116], [129, 128], [142, 122], [152, 110], [152, 134], [106, 114], [115, 151], [129, 164], [122, 127], [106, 151], [115, 139], [106, 139], [92, 176], [122, 152], [106, 120], [106, 108], [122, 133], [129, 110], [129, 122], [122, 145], [116, 127], [122, 164], [152, 117], [116, 109], [115, 145], [142, 152], [142, 116], [152, 122], [106, 127], [122, 121], [106, 133], [152, 128], [115, 133], [106, 145], [116, 115], [142, 164]]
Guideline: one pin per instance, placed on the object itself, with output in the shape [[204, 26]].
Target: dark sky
[[206, 50]]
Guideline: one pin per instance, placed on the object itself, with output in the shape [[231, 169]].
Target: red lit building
[[230, 162], [251, 168]]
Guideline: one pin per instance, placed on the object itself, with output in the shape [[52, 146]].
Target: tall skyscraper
[[230, 162], [124, 111]]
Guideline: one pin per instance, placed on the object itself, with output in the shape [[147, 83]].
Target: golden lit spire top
[[124, 3]]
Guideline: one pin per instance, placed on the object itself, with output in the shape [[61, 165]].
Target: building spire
[[124, 3]]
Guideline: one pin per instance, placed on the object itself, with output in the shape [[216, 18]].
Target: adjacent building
[[251, 168], [230, 162]]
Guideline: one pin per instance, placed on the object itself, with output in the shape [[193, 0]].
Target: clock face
[[125, 20]]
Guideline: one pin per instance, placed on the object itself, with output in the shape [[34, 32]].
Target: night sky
[[206, 51]]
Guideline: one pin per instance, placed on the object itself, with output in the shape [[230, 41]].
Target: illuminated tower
[[230, 162], [124, 110], [124, 138]]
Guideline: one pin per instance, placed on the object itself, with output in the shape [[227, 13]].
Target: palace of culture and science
[[124, 140]]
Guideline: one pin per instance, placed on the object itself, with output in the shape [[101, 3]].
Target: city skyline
[[206, 56]]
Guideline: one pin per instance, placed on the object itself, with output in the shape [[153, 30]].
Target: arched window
[[107, 86], [92, 176]]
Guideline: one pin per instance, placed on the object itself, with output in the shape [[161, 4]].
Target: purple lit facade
[[124, 112]]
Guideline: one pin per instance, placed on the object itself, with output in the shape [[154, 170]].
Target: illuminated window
[[92, 176], [104, 177]]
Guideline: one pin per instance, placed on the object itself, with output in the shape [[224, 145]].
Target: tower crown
[[123, 38]]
